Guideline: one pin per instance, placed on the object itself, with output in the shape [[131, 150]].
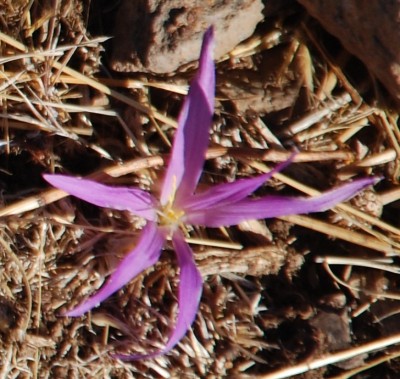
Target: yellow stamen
[[168, 215]]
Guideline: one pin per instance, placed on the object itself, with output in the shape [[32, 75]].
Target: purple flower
[[179, 203]]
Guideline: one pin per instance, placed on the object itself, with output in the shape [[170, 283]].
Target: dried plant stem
[[385, 264], [115, 171], [116, 95], [329, 359], [123, 83], [371, 220], [93, 83], [14, 258], [214, 243], [254, 45], [386, 295], [354, 126], [368, 365], [390, 196], [355, 95], [5, 367], [383, 157], [272, 155], [52, 195], [341, 233], [314, 116], [390, 126]]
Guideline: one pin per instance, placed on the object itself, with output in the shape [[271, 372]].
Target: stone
[[159, 36], [368, 29]]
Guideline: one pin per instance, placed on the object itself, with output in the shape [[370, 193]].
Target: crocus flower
[[179, 203]]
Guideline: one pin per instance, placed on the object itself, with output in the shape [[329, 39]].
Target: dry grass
[[59, 113]]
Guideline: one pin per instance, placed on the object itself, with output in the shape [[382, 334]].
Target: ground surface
[[300, 288]]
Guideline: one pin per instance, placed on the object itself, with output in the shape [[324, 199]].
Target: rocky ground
[[94, 89]]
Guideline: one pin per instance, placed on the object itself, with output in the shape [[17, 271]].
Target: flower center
[[168, 216]]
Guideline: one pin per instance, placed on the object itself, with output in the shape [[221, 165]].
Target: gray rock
[[368, 29], [158, 36]]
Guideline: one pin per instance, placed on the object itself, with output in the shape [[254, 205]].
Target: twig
[[329, 359], [27, 286], [341, 233]]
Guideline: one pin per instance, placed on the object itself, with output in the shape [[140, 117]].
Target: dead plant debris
[[273, 290]]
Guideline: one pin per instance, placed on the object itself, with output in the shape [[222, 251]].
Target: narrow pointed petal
[[190, 289], [275, 206], [192, 136], [146, 253], [135, 200], [228, 193]]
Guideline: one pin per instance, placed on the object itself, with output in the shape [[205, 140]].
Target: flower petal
[[190, 289], [228, 193], [146, 253], [134, 200], [275, 206], [192, 136]]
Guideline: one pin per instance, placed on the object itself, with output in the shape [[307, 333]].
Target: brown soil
[[301, 288]]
